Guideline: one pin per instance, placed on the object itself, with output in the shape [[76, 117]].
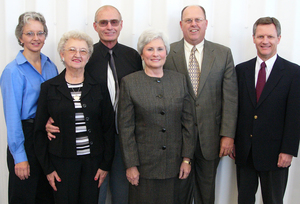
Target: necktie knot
[[263, 65], [194, 49]]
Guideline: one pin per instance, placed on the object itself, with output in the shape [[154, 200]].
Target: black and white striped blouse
[[82, 140]]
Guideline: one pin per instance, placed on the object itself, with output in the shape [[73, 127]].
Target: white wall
[[229, 23]]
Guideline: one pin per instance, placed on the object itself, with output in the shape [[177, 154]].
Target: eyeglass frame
[[190, 20], [38, 34], [108, 21], [76, 50]]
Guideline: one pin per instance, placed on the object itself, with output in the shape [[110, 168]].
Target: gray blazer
[[155, 123], [215, 106]]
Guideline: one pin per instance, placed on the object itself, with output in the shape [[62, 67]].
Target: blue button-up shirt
[[20, 85]]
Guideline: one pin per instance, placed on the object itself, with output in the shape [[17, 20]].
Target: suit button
[[163, 130], [91, 142], [196, 124], [197, 105], [251, 135], [158, 80], [84, 105], [255, 117], [89, 130], [163, 147], [162, 112], [87, 118], [159, 96]]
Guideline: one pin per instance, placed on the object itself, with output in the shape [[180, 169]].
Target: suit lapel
[[63, 88], [273, 80], [207, 62], [62, 85], [250, 80], [88, 84], [180, 64]]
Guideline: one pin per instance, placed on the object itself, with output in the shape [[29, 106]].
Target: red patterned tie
[[261, 80]]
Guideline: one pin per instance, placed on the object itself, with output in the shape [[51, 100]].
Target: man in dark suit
[[213, 87], [125, 60], [268, 126]]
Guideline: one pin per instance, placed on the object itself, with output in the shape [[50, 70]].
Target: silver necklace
[[76, 94]]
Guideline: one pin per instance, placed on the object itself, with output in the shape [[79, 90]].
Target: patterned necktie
[[114, 71], [194, 70], [261, 80]]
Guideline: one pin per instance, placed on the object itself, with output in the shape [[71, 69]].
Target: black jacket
[[272, 125], [55, 100]]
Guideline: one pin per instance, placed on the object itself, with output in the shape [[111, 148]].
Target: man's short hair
[[192, 5], [267, 21]]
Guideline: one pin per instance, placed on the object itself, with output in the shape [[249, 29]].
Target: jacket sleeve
[[290, 140], [107, 118], [126, 124], [187, 122], [40, 135], [229, 99]]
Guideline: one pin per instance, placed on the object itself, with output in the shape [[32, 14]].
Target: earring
[[63, 59]]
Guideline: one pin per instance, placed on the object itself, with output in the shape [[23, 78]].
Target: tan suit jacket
[[215, 105]]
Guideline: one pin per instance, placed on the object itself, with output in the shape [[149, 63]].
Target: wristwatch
[[186, 161]]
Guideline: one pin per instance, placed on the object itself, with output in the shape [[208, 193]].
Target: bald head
[[107, 7]]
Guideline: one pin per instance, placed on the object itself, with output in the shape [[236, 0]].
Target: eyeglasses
[[190, 20], [73, 51], [113, 22], [32, 34]]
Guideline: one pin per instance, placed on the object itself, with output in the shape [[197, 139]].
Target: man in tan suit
[[212, 83]]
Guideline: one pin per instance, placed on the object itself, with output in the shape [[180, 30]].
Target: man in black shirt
[[108, 24]]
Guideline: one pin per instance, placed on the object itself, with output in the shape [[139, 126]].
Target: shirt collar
[[269, 63], [21, 59], [106, 49], [189, 46]]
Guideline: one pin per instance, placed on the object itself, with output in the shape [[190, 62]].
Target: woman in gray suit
[[155, 125]]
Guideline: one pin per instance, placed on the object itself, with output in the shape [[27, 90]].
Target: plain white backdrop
[[229, 23]]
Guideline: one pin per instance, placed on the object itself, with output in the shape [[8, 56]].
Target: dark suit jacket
[[272, 125], [127, 60], [155, 123], [215, 106], [56, 101]]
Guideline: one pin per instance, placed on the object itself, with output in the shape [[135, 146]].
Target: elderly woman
[[77, 160], [155, 125], [20, 86]]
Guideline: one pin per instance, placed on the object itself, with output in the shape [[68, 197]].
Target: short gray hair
[[78, 35], [151, 34], [267, 21], [24, 19]]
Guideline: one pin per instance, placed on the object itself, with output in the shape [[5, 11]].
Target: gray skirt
[[155, 191]]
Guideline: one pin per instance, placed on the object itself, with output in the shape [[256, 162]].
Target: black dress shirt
[[127, 60]]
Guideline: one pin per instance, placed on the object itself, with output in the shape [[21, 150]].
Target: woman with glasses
[[77, 160], [155, 123], [20, 85]]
